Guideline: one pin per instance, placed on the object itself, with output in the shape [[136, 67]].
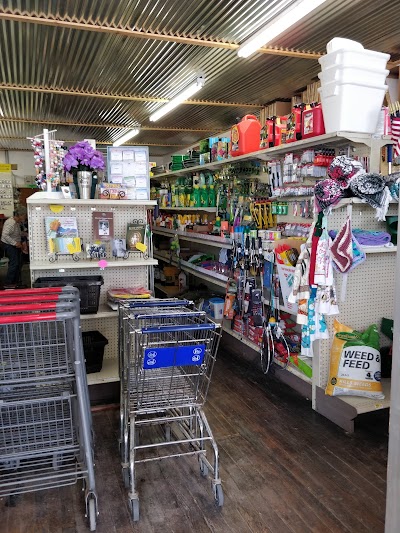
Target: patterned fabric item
[[343, 169], [372, 189], [396, 136], [359, 256], [342, 249], [327, 193]]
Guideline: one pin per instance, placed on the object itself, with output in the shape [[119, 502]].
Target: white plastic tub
[[367, 59], [353, 75], [339, 43], [351, 107]]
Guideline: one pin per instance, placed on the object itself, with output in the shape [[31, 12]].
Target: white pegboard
[[37, 213], [369, 295], [128, 275]]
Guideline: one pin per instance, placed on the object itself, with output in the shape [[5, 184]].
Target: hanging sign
[[5, 167]]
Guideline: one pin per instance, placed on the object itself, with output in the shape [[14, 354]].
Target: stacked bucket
[[352, 86]]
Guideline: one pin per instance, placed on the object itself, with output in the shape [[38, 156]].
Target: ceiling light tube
[[278, 25], [126, 137], [181, 97]]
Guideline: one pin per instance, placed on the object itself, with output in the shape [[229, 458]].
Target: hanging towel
[[342, 249], [359, 255]]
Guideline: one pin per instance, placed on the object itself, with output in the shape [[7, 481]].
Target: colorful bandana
[[372, 189], [327, 193], [343, 168]]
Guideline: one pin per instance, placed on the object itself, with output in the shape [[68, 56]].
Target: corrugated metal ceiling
[[44, 56]]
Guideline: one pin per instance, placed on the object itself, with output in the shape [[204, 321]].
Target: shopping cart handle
[[40, 317], [19, 292], [11, 299], [30, 307], [177, 329], [165, 315], [150, 303]]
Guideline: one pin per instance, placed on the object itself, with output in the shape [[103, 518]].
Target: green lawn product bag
[[355, 367]]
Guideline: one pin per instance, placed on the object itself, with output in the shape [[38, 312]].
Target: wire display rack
[[45, 420], [167, 354]]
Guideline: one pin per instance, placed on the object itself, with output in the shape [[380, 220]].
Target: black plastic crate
[[89, 289], [94, 344]]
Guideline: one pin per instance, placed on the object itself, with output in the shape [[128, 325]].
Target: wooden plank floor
[[284, 468]]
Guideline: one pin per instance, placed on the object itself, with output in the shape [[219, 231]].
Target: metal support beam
[[67, 123], [33, 18], [110, 96], [97, 142]]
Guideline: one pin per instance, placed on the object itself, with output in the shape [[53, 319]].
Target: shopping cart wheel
[[126, 477], [203, 468], [218, 495], [135, 509], [92, 514]]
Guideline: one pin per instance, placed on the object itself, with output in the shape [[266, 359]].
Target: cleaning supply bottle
[[196, 196], [204, 196], [212, 199]]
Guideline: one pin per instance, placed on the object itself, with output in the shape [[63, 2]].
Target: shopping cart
[[134, 315], [45, 420], [169, 355]]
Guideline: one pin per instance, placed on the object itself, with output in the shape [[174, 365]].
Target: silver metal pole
[[392, 522]]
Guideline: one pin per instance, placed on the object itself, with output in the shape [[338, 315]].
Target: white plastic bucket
[[367, 59], [353, 75], [351, 107], [339, 43], [217, 308]]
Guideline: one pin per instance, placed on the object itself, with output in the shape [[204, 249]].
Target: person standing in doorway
[[11, 240]]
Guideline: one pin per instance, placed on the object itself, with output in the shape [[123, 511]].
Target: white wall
[[25, 162]]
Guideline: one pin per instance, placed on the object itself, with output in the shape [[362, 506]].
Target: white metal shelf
[[109, 373], [168, 290], [211, 240], [366, 405], [87, 264], [205, 209], [104, 312], [378, 249], [200, 272], [290, 368], [338, 138], [38, 199]]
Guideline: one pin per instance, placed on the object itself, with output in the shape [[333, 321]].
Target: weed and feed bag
[[355, 365]]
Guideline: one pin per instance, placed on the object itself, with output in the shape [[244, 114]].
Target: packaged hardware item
[[355, 367]]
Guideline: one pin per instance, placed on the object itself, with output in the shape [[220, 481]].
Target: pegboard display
[[83, 213], [369, 294], [131, 272]]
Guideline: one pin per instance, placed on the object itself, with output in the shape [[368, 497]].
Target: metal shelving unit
[[123, 273], [211, 240], [332, 139]]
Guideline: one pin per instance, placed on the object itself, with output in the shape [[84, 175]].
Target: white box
[[351, 107]]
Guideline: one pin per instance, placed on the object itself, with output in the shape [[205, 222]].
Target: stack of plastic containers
[[352, 86]]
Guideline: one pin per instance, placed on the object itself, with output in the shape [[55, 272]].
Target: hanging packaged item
[[294, 124], [312, 122], [245, 136], [355, 366]]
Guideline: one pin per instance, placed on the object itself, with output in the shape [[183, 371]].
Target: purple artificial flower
[[70, 161], [83, 155]]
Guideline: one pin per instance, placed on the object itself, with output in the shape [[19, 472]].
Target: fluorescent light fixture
[[181, 97], [126, 137], [278, 25], [1, 111]]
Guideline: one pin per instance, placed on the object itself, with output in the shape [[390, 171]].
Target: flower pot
[[85, 183]]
